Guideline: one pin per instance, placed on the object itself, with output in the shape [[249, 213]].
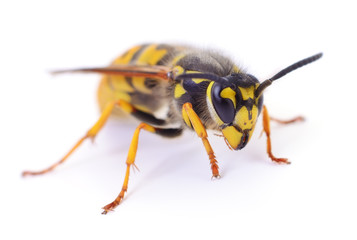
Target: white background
[[173, 196]]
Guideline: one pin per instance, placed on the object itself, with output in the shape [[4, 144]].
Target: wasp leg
[[93, 131], [296, 119], [130, 161], [189, 113], [293, 120], [266, 126]]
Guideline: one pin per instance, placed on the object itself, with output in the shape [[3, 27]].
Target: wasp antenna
[[295, 66], [261, 87], [285, 71]]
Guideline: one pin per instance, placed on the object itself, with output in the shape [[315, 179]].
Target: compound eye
[[224, 107]]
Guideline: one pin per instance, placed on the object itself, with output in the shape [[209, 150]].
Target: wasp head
[[235, 106], [235, 101]]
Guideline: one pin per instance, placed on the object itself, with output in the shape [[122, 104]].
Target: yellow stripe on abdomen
[[128, 56], [151, 55]]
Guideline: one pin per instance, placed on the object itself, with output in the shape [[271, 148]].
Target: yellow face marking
[[229, 93], [151, 55], [125, 59], [139, 84], [242, 118], [233, 136], [247, 92], [179, 91]]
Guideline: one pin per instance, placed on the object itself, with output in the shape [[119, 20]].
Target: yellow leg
[[90, 134], [201, 132], [293, 120], [266, 126], [129, 161]]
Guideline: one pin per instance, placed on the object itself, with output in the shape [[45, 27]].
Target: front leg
[[266, 126], [192, 119]]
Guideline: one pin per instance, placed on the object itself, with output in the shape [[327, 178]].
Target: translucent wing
[[161, 72]]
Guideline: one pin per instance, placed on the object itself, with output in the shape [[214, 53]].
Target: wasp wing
[[160, 72]]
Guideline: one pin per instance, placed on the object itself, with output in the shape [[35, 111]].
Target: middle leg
[[130, 160]]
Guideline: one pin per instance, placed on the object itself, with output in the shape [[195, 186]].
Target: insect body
[[172, 88]]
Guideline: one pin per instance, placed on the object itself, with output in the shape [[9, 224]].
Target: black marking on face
[[244, 140], [244, 81], [249, 103]]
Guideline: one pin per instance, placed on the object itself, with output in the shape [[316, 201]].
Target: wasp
[[172, 88]]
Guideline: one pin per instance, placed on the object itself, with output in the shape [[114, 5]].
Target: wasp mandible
[[166, 85]]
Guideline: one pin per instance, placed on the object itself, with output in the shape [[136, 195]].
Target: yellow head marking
[[233, 136], [230, 94], [247, 92], [246, 119]]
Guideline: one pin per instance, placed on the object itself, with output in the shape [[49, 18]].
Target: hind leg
[[266, 128], [92, 132]]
